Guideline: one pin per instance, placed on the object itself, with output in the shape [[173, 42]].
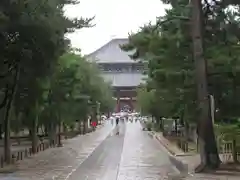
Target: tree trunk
[[7, 143], [234, 142], [59, 135], [161, 124], [186, 130], [34, 129], [234, 151], [1, 131], [176, 127], [184, 123], [34, 135], [30, 133], [59, 131], [52, 133], [46, 130], [186, 135], [207, 143], [181, 119]]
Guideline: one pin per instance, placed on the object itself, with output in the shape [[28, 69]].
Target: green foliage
[[32, 39], [227, 132], [41, 81], [167, 49], [75, 86], [166, 46], [144, 100]]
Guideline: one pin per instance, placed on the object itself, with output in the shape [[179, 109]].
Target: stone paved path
[[132, 155], [208, 177], [104, 161], [58, 163], [143, 158]]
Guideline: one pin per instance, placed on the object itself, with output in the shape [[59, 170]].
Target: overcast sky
[[113, 19]]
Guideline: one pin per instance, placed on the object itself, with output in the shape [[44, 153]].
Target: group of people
[[119, 120]]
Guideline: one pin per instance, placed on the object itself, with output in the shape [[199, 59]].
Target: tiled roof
[[111, 53]]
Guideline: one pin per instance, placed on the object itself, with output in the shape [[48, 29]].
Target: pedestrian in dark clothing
[[117, 121], [117, 126]]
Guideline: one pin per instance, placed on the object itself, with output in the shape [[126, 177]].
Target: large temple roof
[[111, 53], [124, 79]]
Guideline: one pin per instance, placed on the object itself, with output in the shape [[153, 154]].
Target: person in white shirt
[[111, 119]]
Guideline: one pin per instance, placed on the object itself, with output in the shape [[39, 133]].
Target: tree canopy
[[42, 81], [167, 47]]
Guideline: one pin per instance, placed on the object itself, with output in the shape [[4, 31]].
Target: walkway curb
[[179, 164], [185, 167], [89, 154]]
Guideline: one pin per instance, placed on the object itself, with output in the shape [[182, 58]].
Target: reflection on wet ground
[[132, 155]]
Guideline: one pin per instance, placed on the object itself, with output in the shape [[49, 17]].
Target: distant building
[[124, 74]]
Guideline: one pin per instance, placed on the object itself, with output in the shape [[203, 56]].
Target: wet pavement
[[58, 163], [143, 158], [103, 163], [132, 155]]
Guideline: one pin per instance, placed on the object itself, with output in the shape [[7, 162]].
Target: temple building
[[124, 74]]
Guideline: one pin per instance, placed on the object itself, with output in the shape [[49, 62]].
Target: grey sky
[[112, 18]]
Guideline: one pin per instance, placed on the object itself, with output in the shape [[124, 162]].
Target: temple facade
[[117, 68]]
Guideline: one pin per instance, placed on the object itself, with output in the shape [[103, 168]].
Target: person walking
[[111, 118], [117, 125]]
